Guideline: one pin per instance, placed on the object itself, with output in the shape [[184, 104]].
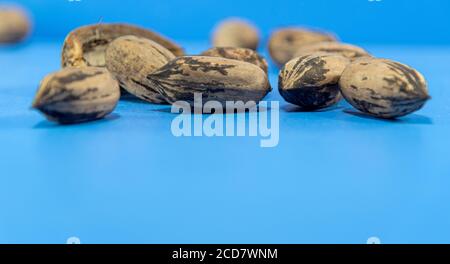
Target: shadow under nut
[[383, 88], [75, 95], [86, 46], [130, 59], [241, 54], [311, 82], [215, 78]]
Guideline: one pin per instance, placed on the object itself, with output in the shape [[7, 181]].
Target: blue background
[[335, 177], [360, 21]]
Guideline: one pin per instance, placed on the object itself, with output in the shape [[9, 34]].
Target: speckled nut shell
[[284, 43], [215, 78], [349, 51], [14, 24], [242, 54], [236, 33], [75, 95], [311, 82], [130, 59], [383, 88], [85, 46]]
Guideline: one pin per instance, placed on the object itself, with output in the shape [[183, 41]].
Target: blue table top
[[335, 177]]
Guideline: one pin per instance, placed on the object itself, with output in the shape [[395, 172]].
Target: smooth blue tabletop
[[335, 177]]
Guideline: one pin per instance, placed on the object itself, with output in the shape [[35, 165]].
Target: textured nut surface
[[86, 46], [349, 51], [383, 88], [284, 43], [75, 95], [236, 33], [215, 78], [311, 81], [242, 54], [130, 59], [14, 24]]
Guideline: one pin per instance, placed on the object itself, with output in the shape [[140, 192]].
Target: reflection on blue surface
[[336, 176]]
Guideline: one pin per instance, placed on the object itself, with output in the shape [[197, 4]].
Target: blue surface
[[356, 21], [335, 177]]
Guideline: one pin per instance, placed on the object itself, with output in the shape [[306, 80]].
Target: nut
[[85, 46], [284, 43], [349, 51], [383, 88], [14, 24], [236, 33], [130, 59], [311, 81], [75, 95], [215, 78], [242, 54]]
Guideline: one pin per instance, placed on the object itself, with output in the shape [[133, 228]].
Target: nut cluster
[[320, 70], [97, 60], [150, 67], [317, 71]]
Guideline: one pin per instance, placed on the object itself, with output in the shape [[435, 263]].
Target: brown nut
[[86, 46], [311, 81], [236, 33], [383, 88], [349, 51], [242, 54], [14, 24], [75, 95], [130, 59], [284, 43], [215, 78]]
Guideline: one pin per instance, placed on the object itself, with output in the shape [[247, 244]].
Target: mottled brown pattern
[[75, 95], [215, 78], [86, 46], [311, 82], [130, 59], [384, 88], [242, 54], [346, 50]]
